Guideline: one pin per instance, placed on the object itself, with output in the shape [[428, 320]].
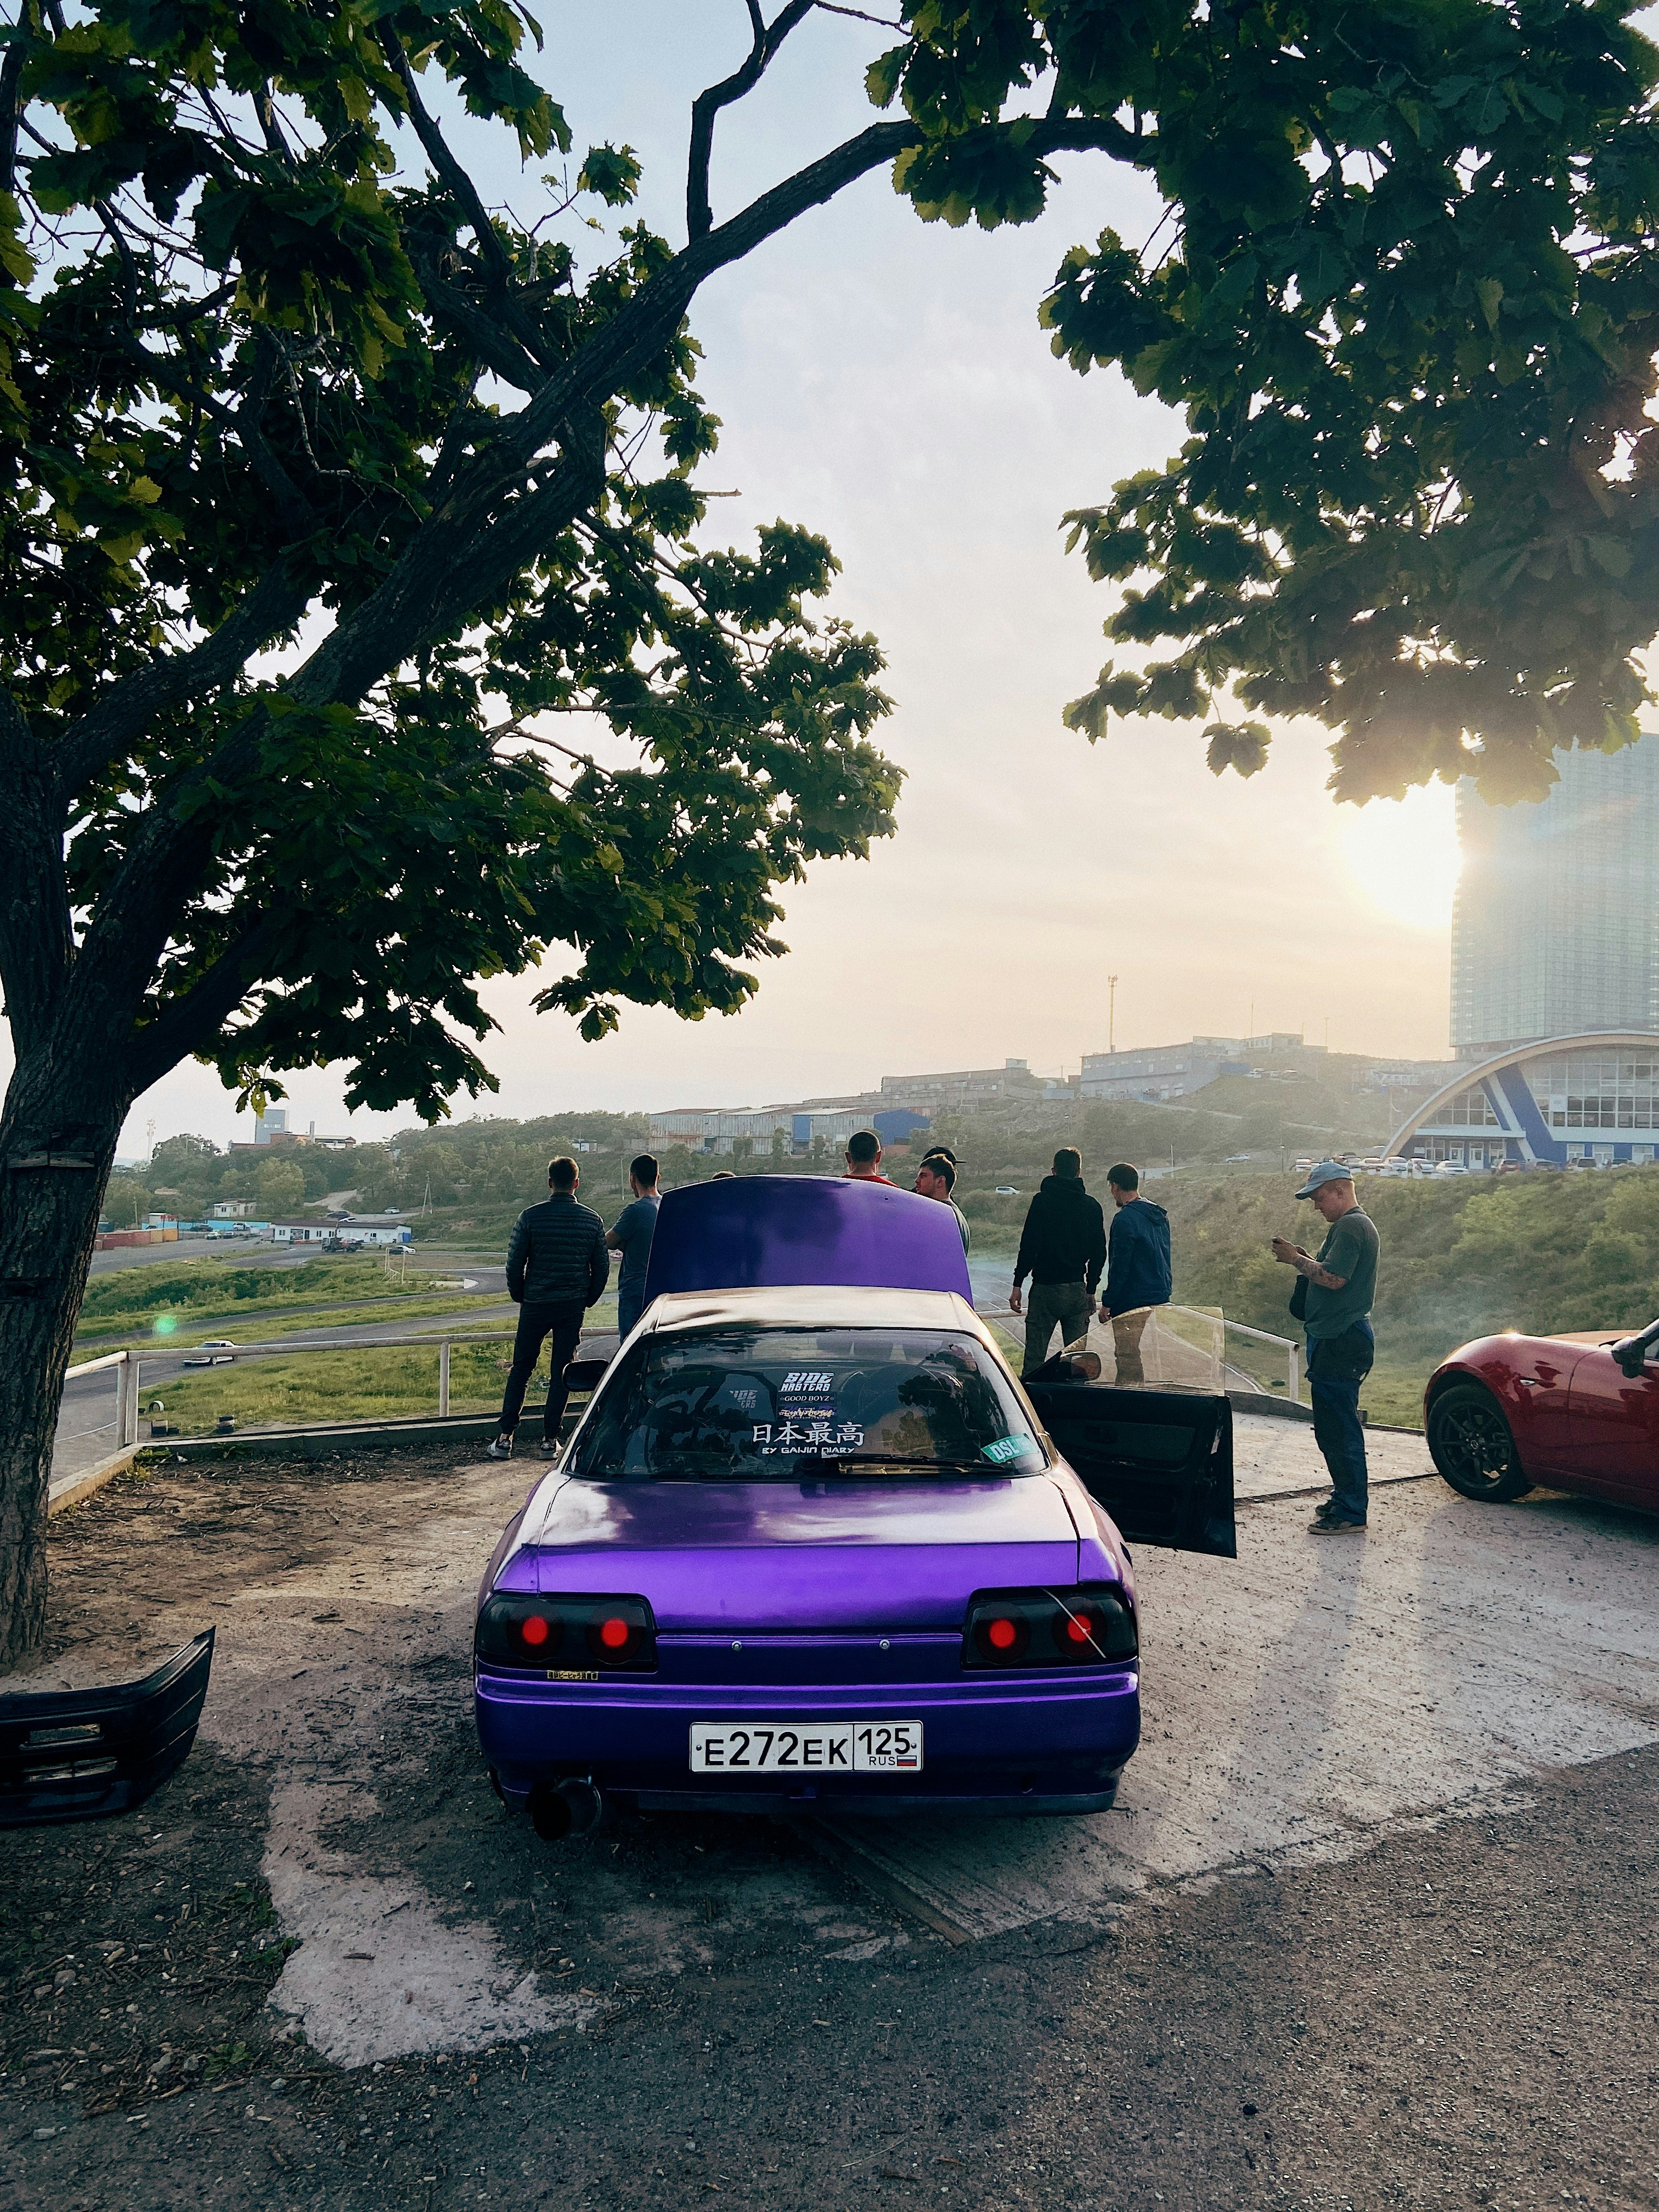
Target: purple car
[[812, 1544]]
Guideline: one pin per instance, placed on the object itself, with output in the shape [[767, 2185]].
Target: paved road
[[1373, 1925]]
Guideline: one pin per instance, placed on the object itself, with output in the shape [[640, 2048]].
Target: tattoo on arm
[[1305, 1264]]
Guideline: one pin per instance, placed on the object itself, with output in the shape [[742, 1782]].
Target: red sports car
[[1578, 1411]]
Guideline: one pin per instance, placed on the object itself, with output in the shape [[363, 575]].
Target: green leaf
[[1240, 746]]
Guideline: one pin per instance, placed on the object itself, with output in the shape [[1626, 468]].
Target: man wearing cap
[[1334, 1302]]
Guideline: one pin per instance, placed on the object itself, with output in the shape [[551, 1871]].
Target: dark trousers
[[563, 1323], [1334, 1375]]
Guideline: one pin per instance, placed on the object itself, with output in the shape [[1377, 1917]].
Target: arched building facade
[[1589, 1097]]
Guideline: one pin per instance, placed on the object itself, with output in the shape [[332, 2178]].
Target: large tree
[[324, 489]]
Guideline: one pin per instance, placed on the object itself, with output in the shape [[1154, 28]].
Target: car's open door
[[1160, 1462]]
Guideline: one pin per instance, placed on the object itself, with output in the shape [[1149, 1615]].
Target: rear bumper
[[1054, 1745], [77, 1754]]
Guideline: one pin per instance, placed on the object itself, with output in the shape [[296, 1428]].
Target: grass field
[[399, 1383]]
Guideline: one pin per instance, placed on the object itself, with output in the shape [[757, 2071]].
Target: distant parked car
[[216, 1352], [1449, 1168], [1006, 1190], [1233, 1158]]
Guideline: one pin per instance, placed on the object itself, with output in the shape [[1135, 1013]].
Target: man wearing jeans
[[1138, 1271], [1062, 1248], [1335, 1307], [557, 1267]]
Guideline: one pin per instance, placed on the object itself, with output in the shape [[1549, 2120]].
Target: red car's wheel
[[1471, 1445]]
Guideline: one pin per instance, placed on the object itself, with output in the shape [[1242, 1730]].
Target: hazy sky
[[885, 382]]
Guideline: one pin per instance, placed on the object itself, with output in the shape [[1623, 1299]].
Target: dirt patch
[[174, 1534], [138, 1953]]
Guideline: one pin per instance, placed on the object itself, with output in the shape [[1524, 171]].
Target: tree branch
[[448, 169], [368, 644], [506, 355], [265, 108], [186, 1025], [452, 174], [358, 655], [699, 215], [11, 73], [119, 717]]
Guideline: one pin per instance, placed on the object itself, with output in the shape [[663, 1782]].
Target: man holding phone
[[1334, 1302]]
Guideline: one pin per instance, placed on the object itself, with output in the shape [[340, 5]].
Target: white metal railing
[[1161, 1346], [126, 1422], [1166, 1356], [126, 1364], [1287, 1345]]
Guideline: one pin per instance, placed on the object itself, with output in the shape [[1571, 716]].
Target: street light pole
[[1111, 1013]]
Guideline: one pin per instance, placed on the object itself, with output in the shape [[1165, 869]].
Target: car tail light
[[1087, 1625], [574, 1634]]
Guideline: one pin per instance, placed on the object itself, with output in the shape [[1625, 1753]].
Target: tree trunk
[[57, 1139]]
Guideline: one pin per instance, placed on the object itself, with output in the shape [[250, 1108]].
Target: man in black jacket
[[1063, 1249], [557, 1267]]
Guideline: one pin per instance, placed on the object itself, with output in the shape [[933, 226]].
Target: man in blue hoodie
[[1137, 1274]]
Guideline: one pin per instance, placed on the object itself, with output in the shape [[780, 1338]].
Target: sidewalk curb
[[69, 1489], [323, 1443], [1323, 1489], [1260, 1401]]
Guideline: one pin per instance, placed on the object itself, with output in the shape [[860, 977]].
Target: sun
[[1403, 854]]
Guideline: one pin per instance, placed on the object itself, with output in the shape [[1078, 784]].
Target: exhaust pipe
[[565, 1810]]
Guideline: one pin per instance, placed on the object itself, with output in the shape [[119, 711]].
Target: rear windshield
[[775, 1405]]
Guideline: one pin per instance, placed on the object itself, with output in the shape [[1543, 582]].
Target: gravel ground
[[323, 1969]]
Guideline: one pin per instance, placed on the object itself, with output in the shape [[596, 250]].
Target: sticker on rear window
[[1005, 1448], [830, 1437]]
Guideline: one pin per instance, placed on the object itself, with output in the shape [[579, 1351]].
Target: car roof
[[816, 1306]]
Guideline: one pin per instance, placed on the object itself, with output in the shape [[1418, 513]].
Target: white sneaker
[[501, 1448]]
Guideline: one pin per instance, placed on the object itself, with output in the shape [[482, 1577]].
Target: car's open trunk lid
[[883, 1554]]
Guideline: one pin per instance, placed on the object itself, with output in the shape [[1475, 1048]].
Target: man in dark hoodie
[[1062, 1248], [1138, 1273]]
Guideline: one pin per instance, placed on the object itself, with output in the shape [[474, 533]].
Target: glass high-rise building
[[1556, 929]]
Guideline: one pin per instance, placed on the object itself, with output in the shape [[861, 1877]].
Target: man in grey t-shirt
[[1335, 1307], [636, 1225]]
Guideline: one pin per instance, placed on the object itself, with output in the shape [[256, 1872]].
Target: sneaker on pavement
[[501, 1448], [1335, 1525]]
